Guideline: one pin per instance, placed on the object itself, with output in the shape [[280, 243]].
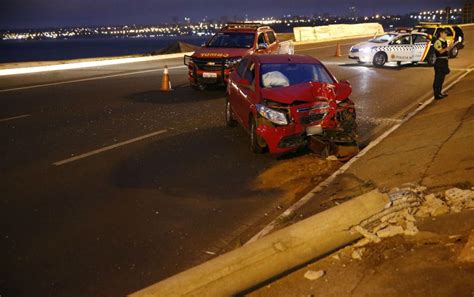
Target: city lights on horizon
[[208, 27]]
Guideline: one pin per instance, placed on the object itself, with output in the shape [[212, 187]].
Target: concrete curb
[[250, 265], [88, 64]]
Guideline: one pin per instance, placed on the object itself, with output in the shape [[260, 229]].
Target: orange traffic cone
[[338, 50], [165, 81]]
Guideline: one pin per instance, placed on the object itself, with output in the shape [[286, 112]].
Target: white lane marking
[[320, 47], [15, 117], [346, 166], [87, 64], [89, 79], [107, 148]]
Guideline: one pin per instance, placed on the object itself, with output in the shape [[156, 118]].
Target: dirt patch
[[295, 177]]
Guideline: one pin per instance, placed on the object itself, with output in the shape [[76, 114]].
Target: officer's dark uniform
[[441, 67]]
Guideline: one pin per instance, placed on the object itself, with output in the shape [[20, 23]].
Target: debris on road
[[407, 203], [314, 275], [467, 253], [358, 253], [458, 199]]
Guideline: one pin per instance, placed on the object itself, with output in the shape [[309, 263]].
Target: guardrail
[[88, 64]]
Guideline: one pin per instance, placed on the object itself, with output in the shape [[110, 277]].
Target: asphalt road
[[109, 185]]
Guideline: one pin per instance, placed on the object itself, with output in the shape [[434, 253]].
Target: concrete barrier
[[252, 264], [335, 32], [287, 47]]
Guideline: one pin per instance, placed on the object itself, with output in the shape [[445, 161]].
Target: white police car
[[394, 47]]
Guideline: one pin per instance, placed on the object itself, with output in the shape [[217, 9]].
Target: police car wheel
[[454, 52], [380, 59]]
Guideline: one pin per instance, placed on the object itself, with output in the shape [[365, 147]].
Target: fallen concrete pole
[[274, 254]]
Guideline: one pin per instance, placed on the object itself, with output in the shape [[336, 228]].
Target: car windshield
[[383, 38], [284, 75], [232, 40]]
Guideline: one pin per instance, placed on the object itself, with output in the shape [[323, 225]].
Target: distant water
[[49, 50]]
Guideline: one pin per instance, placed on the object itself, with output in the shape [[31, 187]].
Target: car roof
[[238, 30], [285, 58]]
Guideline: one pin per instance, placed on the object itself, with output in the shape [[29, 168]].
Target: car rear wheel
[[198, 87], [257, 144], [454, 52], [380, 59], [229, 114]]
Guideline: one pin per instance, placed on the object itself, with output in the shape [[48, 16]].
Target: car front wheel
[[257, 144], [380, 59]]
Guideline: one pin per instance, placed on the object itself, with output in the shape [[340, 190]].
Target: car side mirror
[[243, 82], [343, 90], [262, 46]]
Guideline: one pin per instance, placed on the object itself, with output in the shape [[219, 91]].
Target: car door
[[261, 39], [248, 93], [421, 46], [400, 49], [273, 45], [236, 96]]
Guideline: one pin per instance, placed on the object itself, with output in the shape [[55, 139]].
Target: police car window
[[419, 38], [261, 39], [241, 67], [449, 32], [426, 30], [402, 40], [271, 37], [250, 73], [383, 38], [283, 75]]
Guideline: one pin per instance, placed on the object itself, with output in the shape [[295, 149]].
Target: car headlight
[[321, 105], [272, 115], [232, 61], [365, 49]]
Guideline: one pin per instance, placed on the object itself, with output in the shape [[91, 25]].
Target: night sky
[[16, 14]]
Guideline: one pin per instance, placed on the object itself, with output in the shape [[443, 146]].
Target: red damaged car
[[288, 101]]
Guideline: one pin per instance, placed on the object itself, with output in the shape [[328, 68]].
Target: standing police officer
[[441, 65]]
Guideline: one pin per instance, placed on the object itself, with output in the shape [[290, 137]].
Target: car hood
[[306, 92], [216, 52]]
